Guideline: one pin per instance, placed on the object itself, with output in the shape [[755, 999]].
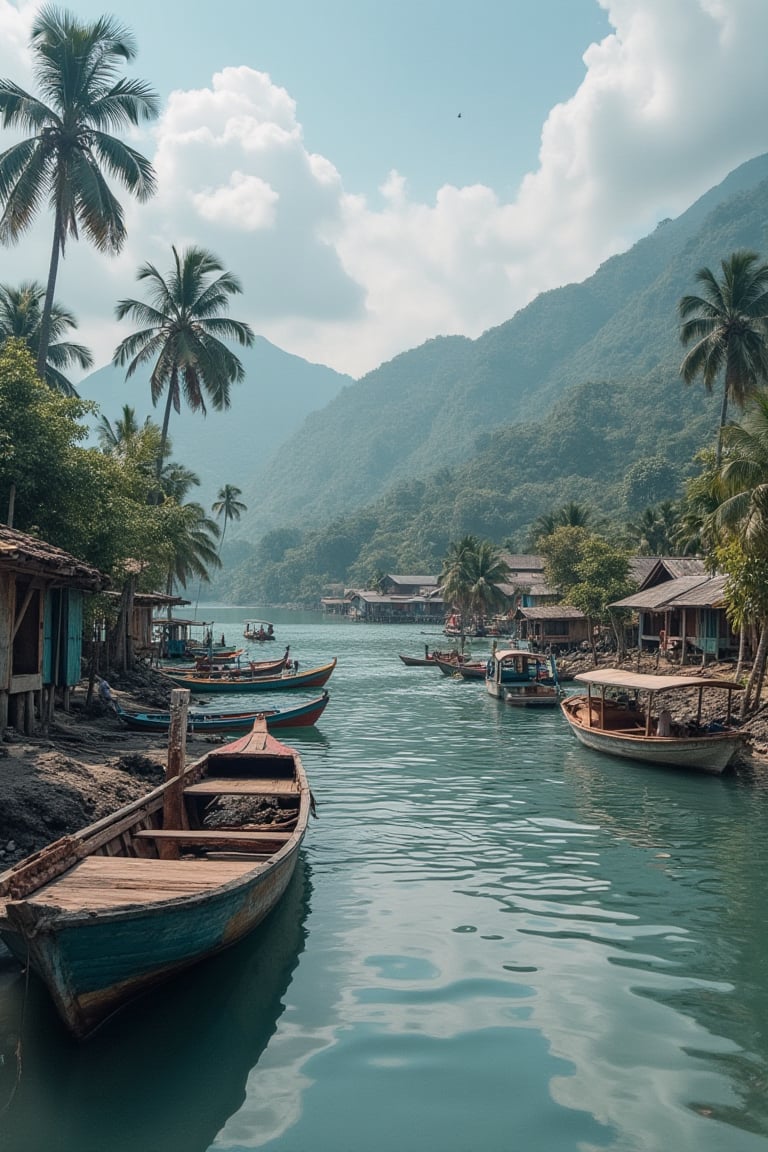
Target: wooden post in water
[[174, 815]]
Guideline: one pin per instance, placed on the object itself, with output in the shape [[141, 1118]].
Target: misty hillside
[[279, 391], [432, 406]]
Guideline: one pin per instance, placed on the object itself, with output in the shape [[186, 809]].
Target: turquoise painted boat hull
[[105, 914]]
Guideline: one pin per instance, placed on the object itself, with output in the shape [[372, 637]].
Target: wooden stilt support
[[174, 816]]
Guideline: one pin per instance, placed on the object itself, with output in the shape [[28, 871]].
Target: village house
[[681, 611], [42, 590]]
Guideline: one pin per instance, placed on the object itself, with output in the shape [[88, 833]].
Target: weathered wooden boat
[[161, 884], [287, 680], [634, 727], [247, 670], [460, 667], [302, 716], [522, 678], [258, 630], [428, 660]]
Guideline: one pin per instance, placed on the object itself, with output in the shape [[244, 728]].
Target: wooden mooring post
[[174, 814]]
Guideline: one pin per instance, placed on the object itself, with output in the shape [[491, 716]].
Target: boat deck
[[101, 882]]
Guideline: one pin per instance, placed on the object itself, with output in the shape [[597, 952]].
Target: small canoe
[[303, 716], [312, 678], [161, 884]]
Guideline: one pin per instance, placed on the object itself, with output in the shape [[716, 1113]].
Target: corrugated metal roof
[[422, 581], [661, 595], [552, 612]]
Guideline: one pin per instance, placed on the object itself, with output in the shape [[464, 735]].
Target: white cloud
[[671, 101]]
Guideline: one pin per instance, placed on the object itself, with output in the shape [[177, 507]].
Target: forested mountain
[[279, 391], [435, 405]]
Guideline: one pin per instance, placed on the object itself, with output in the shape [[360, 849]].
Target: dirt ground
[[88, 764]]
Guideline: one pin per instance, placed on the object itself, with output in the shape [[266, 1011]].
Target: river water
[[496, 940]]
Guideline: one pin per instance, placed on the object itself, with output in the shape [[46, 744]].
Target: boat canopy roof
[[620, 678], [511, 653]]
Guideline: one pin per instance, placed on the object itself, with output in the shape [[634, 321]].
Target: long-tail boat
[[302, 716], [103, 915], [287, 680]]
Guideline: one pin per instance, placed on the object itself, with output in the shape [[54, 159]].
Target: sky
[[381, 172]]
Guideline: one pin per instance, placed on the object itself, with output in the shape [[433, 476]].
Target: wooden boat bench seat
[[242, 786], [212, 836]]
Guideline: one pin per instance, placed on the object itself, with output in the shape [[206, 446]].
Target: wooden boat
[[428, 660], [248, 670], [522, 678], [452, 664], [258, 630], [312, 678], [635, 728], [162, 883], [535, 695], [302, 716]]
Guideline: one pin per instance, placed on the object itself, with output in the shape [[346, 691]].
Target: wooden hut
[[41, 626]]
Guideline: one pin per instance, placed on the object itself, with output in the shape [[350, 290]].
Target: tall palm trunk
[[53, 271], [172, 389], [751, 698]]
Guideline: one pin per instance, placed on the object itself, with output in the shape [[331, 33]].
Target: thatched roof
[[22, 553]]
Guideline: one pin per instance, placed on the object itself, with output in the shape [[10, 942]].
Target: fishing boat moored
[[522, 678], [285, 681], [161, 884], [302, 716], [637, 728]]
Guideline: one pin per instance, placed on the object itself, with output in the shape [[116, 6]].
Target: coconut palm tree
[[21, 316], [117, 439], [191, 544], [742, 513], [727, 327], [182, 331], [571, 515], [471, 573], [228, 506], [82, 99]]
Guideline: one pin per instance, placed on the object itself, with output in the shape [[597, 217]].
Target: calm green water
[[497, 940]]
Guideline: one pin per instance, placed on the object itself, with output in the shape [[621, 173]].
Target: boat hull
[[304, 716], [711, 753], [93, 966], [533, 696], [105, 914], [312, 678]]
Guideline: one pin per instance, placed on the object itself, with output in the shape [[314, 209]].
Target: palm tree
[[182, 330], [20, 316], [118, 438], [727, 326], [652, 533], [191, 544], [76, 65], [743, 513], [571, 515], [471, 573], [228, 506]]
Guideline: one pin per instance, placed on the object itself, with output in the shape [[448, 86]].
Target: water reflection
[[165, 1075]]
